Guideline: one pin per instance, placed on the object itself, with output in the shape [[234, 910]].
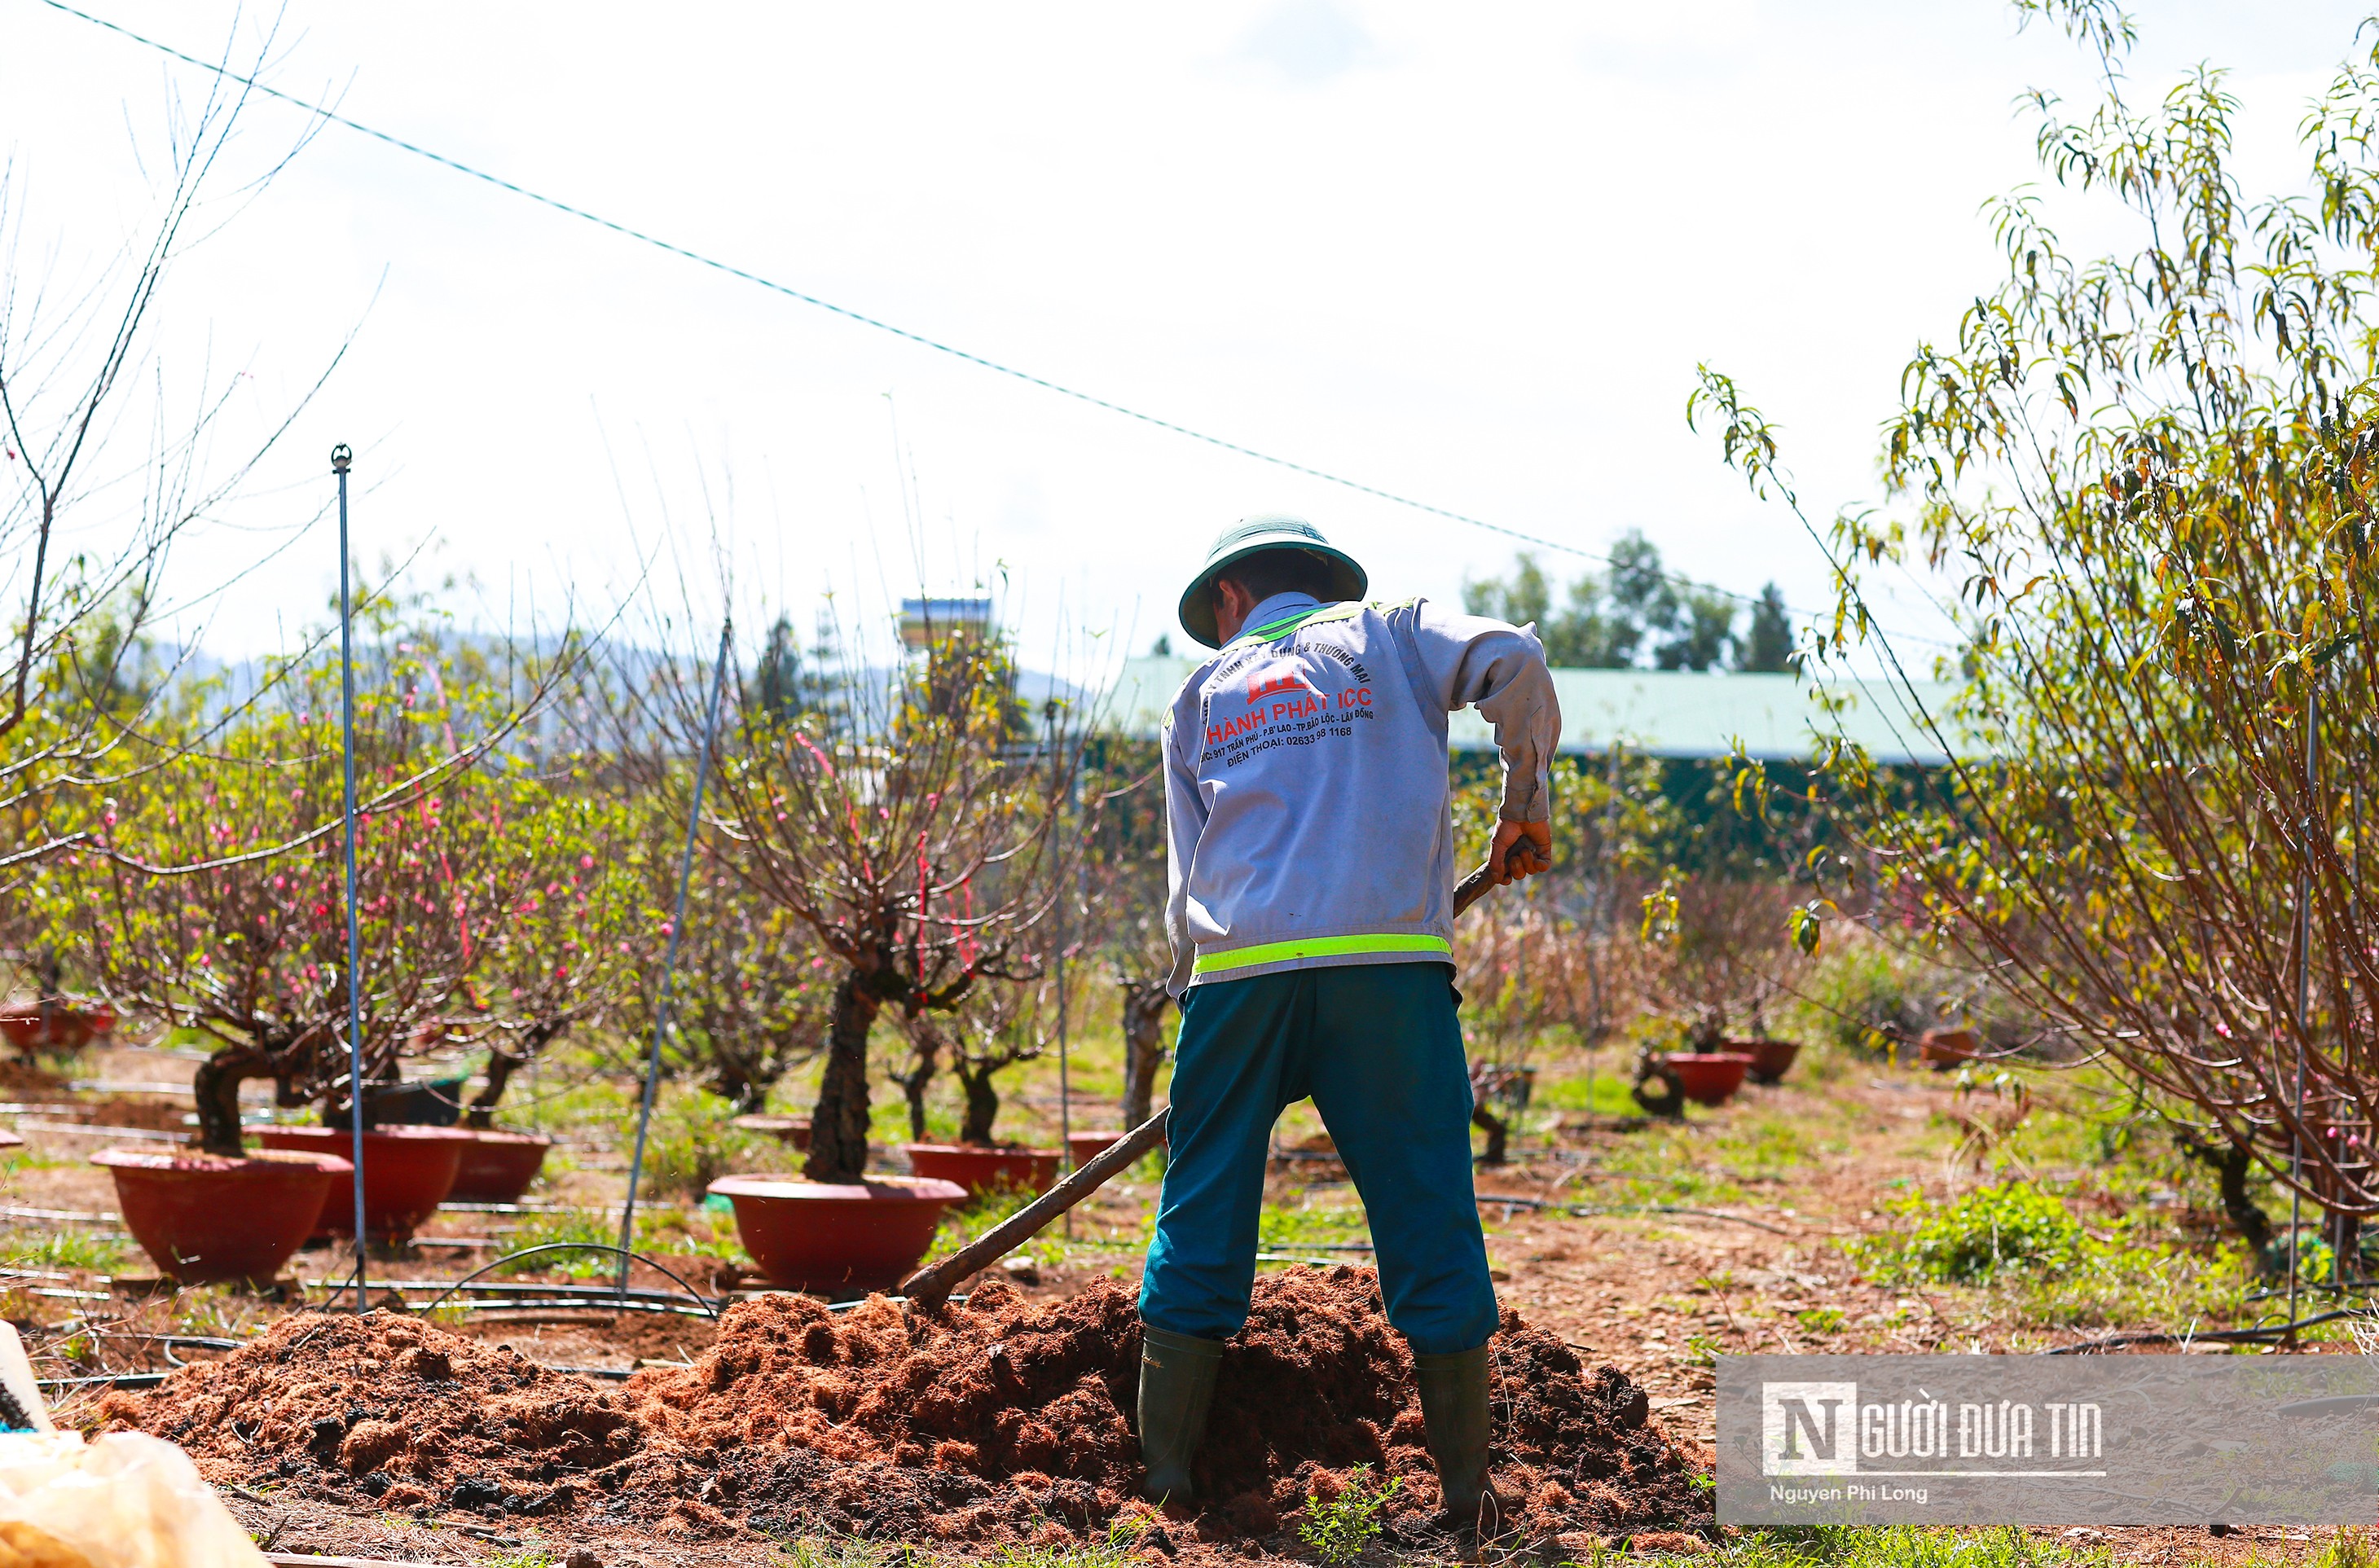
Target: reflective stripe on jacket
[[1306, 801]]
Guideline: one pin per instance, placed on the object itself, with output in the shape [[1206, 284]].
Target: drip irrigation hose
[[624, 1256], [2223, 1336]]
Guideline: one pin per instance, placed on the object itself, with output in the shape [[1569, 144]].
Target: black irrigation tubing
[[621, 1252], [533, 1287], [579, 1304], [2221, 1336], [2347, 1287], [153, 1379], [105, 1379]]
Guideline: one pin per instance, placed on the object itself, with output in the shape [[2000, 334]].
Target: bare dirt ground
[[1754, 1261]]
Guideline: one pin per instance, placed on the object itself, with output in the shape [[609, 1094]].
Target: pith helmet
[[1250, 536]]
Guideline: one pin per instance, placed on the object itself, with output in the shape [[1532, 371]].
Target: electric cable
[[920, 339]]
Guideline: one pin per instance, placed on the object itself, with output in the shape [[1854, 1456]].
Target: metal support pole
[[341, 458], [2304, 991], [1064, 1076], [669, 960]]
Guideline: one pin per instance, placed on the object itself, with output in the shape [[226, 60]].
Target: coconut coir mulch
[[1001, 1420]]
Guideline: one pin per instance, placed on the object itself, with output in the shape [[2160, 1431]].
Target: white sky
[[1469, 254]]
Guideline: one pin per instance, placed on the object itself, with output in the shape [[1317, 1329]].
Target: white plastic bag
[[125, 1500]]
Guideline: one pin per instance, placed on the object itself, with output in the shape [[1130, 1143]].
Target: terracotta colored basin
[[407, 1173], [794, 1131], [207, 1219], [1948, 1047], [1084, 1147], [1709, 1078], [497, 1167], [1771, 1059], [979, 1169], [69, 1027], [837, 1239]]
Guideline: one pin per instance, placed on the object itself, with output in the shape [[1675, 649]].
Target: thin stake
[[1064, 1077], [668, 960], [341, 457], [2304, 993]]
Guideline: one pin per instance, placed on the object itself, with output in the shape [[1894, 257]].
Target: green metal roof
[[1660, 713]]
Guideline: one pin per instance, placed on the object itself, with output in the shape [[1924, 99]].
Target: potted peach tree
[[212, 895], [915, 837]]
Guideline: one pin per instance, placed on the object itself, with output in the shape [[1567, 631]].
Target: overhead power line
[[863, 318]]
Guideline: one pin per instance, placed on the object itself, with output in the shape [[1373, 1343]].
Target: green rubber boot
[[1176, 1383], [1454, 1405]]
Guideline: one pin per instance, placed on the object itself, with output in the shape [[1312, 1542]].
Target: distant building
[[931, 621], [1651, 712]]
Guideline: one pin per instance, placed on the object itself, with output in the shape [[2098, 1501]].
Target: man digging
[[1310, 908]]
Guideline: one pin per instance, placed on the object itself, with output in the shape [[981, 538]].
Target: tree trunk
[[2232, 1161], [982, 1102], [838, 1126], [216, 1084], [2342, 1231], [925, 1043], [1496, 1129], [1143, 1046], [502, 1065]]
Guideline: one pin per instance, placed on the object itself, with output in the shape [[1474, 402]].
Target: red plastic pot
[[407, 1173], [1771, 1059], [1084, 1147], [69, 1027], [1948, 1047], [1709, 1078], [845, 1240], [979, 1168], [208, 1219], [496, 1167], [794, 1131]]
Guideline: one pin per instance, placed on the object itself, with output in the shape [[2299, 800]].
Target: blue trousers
[[1378, 1048]]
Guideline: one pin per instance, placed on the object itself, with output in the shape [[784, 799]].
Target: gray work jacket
[[1306, 800]]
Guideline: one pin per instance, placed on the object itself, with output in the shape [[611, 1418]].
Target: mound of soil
[[999, 1420]]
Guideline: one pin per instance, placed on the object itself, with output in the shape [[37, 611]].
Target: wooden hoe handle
[[929, 1288]]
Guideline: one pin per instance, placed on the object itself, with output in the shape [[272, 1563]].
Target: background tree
[[2149, 476], [920, 848], [1767, 645], [577, 936], [211, 892], [749, 1000], [111, 457], [1635, 611]]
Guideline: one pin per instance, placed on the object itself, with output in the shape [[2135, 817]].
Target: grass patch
[[1663, 1165], [86, 1250], [1311, 1220], [2041, 1266], [1765, 1146], [575, 1226], [1113, 1550], [1902, 1546], [695, 1142], [701, 1232], [1987, 1232], [1603, 1093]]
